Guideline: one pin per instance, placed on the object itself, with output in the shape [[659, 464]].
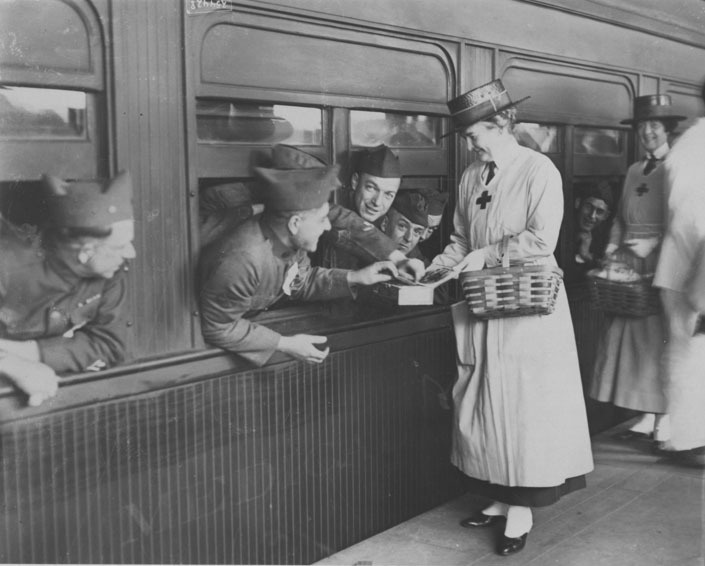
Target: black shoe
[[481, 520], [508, 546], [632, 435]]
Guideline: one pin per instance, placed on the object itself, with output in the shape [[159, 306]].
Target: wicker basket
[[634, 299], [521, 290]]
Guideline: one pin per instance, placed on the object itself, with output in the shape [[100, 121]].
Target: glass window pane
[[42, 113], [368, 129], [538, 137], [239, 122], [599, 141]]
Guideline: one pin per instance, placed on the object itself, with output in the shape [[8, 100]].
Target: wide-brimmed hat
[[480, 104], [652, 107], [297, 189], [88, 204]]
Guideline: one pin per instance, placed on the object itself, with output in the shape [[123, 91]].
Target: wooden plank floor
[[638, 509]]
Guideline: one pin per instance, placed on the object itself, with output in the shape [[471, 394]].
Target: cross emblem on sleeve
[[642, 190], [483, 199]]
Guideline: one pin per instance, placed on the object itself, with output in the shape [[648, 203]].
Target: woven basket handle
[[505, 251]]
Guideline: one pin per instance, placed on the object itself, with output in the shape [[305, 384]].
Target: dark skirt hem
[[525, 496]]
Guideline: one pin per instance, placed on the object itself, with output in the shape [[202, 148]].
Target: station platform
[[639, 509]]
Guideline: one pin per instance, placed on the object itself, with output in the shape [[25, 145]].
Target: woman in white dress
[[520, 428], [628, 370]]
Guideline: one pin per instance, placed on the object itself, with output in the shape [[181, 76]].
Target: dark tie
[[650, 164], [491, 166]]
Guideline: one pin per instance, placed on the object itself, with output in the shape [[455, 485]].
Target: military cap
[[413, 206], [297, 189], [290, 157], [652, 107], [379, 161], [479, 104], [602, 191], [88, 204], [436, 200]]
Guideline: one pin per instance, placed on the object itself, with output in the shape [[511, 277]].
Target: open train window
[[227, 121], [368, 129]]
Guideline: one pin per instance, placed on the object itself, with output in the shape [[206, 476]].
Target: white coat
[[519, 409]]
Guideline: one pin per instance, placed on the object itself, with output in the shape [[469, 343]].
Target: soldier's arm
[[97, 344], [351, 233]]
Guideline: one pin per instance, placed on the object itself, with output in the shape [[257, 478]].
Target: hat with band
[[480, 104], [652, 107]]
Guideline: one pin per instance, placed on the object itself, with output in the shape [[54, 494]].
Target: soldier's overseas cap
[[436, 200], [602, 191], [88, 204], [379, 161], [297, 189], [479, 104], [652, 107], [290, 157], [413, 205]]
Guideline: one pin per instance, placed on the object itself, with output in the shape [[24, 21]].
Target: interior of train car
[[186, 453]]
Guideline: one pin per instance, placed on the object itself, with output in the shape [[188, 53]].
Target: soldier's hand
[[305, 347], [36, 379], [412, 268], [375, 273]]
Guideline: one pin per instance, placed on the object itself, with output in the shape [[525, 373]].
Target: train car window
[[600, 142], [225, 121], [539, 137], [369, 129], [43, 113]]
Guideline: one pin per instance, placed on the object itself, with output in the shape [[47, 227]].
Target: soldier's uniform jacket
[[352, 241], [246, 272], [76, 322]]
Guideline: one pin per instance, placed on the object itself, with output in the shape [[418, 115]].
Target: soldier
[[61, 301], [407, 221], [265, 259], [356, 237], [356, 240]]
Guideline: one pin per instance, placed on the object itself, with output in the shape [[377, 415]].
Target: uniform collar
[[279, 248], [60, 268], [507, 154], [659, 153]]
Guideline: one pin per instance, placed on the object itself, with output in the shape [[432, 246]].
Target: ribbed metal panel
[[275, 466], [150, 143]]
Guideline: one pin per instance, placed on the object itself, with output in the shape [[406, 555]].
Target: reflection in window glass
[[42, 113], [538, 137], [239, 122], [368, 129], [599, 141]]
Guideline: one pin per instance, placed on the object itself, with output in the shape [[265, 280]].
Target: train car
[[188, 454]]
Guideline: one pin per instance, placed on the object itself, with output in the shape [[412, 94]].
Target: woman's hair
[[505, 118], [669, 124]]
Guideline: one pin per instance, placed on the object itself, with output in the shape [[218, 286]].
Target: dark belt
[[700, 325]]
